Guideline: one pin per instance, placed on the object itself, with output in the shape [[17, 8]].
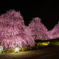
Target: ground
[[43, 53]]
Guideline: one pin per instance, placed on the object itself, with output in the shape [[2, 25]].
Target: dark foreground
[[45, 53]]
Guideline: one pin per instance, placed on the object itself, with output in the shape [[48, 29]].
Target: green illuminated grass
[[8, 51], [26, 48], [42, 43], [38, 45], [55, 43]]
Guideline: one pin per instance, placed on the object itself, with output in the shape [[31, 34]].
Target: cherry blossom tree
[[54, 33], [31, 39], [39, 31], [13, 32]]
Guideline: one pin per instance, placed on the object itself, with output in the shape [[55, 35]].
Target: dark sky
[[48, 11]]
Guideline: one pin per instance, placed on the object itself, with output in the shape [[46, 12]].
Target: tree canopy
[[13, 31], [54, 33], [39, 31]]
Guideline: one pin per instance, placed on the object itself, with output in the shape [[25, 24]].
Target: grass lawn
[[38, 45]]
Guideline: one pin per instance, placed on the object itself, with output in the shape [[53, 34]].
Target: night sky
[[48, 11]]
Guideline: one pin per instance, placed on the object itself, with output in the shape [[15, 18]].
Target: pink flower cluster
[[14, 33]]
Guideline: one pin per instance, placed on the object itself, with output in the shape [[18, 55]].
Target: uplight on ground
[[1, 48], [17, 49]]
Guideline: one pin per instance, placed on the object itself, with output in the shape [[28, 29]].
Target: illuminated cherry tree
[[54, 33], [39, 31], [13, 32]]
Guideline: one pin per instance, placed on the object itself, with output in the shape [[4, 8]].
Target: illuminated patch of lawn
[[42, 43], [8, 51], [26, 48], [38, 45], [55, 43]]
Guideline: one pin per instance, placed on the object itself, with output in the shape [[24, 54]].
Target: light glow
[[17, 49], [45, 44], [48, 43], [1, 48]]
